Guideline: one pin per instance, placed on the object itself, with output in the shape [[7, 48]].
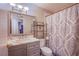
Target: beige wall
[[37, 12], [3, 32], [27, 24]]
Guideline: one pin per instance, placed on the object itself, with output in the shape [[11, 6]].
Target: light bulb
[[26, 8], [19, 6], [12, 4]]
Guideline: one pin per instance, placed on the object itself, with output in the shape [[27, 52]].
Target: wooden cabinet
[[28, 49], [18, 50]]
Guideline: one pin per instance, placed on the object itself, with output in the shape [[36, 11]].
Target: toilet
[[45, 51]]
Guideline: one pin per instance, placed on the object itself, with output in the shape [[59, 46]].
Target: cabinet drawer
[[32, 53], [33, 45], [17, 47], [17, 52], [33, 49]]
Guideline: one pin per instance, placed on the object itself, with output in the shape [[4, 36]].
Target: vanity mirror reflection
[[20, 24]]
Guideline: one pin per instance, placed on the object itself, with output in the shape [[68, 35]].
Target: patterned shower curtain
[[62, 29]]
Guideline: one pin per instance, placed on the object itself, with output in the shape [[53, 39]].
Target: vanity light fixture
[[20, 6], [26, 9], [12, 4]]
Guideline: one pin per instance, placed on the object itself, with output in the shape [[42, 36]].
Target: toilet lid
[[46, 51]]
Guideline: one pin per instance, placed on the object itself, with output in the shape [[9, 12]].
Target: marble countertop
[[22, 41]]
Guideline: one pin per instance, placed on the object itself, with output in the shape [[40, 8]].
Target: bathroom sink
[[22, 41]]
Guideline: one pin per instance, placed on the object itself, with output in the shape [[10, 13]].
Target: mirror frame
[[9, 24]]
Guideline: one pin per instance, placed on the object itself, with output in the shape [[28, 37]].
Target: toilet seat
[[46, 51]]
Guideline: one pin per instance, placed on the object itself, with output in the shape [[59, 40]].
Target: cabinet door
[[33, 49], [18, 50]]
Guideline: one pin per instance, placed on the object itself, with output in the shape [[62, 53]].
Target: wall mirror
[[20, 24]]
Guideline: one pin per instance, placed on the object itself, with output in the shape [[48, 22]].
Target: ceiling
[[54, 7], [49, 7]]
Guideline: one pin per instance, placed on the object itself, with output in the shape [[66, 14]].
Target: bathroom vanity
[[24, 48], [19, 25]]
